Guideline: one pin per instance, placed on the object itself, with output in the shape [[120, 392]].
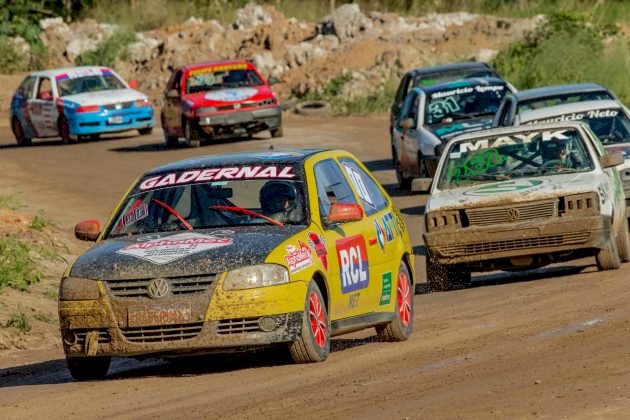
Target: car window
[[221, 77], [368, 191], [89, 82], [27, 87], [552, 100], [44, 90], [403, 89], [332, 186], [461, 102], [177, 81]]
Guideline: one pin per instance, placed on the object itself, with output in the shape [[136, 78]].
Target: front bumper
[[474, 244], [111, 121], [212, 321], [269, 118]]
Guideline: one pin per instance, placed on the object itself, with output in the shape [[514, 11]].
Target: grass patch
[[39, 223], [52, 294], [18, 268], [20, 321], [45, 318], [9, 202], [111, 50]]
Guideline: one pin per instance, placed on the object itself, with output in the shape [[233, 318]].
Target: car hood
[[448, 131], [514, 191], [228, 96], [624, 149], [172, 254], [105, 97]]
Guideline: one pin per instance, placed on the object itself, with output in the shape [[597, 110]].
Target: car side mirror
[[407, 123], [172, 93], [273, 80], [611, 160], [87, 230], [133, 84], [344, 212]]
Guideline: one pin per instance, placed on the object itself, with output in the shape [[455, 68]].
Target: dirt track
[[550, 343]]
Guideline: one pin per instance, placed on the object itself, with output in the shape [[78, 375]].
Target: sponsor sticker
[[215, 174], [171, 248], [218, 68], [319, 246], [578, 116], [353, 263], [380, 234], [386, 289], [133, 215], [353, 302], [388, 222], [506, 187], [359, 185], [298, 258], [231, 95], [467, 90]]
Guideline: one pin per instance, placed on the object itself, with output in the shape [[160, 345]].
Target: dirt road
[[550, 343]]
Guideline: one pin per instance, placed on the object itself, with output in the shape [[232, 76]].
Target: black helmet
[[274, 196]]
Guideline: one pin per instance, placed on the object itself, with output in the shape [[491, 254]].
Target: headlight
[[143, 102], [256, 276], [73, 288], [442, 220], [206, 110]]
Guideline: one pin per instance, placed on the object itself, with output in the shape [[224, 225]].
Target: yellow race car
[[235, 252]]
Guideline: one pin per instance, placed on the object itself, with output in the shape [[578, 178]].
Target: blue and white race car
[[76, 103]]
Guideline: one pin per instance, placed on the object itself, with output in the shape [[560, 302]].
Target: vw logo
[[158, 288], [513, 215], [237, 106]]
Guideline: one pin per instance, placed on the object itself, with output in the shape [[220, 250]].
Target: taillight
[[143, 102], [89, 108]]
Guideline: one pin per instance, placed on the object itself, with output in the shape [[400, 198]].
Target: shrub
[[18, 269], [12, 61], [20, 321], [112, 49]]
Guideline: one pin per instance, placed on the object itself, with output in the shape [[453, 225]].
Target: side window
[[371, 196], [44, 91], [403, 89], [332, 186], [177, 81], [504, 113], [413, 110], [27, 87]]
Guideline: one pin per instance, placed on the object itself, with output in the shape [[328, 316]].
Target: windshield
[[92, 83], [610, 125], [466, 102], [553, 100], [518, 155], [221, 77], [444, 77], [214, 204]]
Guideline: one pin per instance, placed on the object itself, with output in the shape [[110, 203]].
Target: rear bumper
[[486, 243], [112, 121], [270, 118]]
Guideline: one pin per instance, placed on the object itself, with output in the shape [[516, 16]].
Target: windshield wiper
[[241, 210]]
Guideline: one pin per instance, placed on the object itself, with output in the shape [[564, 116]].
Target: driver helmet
[[277, 197]]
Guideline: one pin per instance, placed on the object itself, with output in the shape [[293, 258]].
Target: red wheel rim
[[318, 319], [403, 296]]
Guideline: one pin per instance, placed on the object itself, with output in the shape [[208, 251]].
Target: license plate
[[118, 119], [177, 313]]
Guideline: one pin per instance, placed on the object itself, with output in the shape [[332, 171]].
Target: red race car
[[218, 99]]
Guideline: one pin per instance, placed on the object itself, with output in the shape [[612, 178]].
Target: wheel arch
[[320, 280], [405, 260]]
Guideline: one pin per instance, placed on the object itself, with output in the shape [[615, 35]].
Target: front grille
[[162, 333], [511, 214], [512, 244], [118, 106], [238, 326], [177, 286], [103, 336]]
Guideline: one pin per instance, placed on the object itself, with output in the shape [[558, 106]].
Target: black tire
[[191, 134], [145, 131], [88, 368], [171, 141], [623, 241], [608, 259], [277, 133], [313, 108], [394, 156], [404, 183], [402, 325], [18, 133], [64, 131], [309, 348]]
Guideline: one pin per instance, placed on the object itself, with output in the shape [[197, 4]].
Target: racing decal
[[353, 302], [298, 258], [353, 263], [460, 128], [388, 222], [476, 164], [231, 95], [380, 234], [276, 155], [386, 289], [319, 246], [521, 138], [506, 187], [235, 172], [218, 68], [133, 215], [602, 193], [398, 220], [467, 90], [577, 116], [359, 185], [75, 74], [172, 248]]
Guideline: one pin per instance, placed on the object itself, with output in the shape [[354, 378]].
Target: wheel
[[402, 325], [404, 183], [145, 131], [314, 342], [623, 241], [170, 141], [394, 156], [18, 132], [64, 131], [88, 368], [191, 133], [608, 259], [278, 132]]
